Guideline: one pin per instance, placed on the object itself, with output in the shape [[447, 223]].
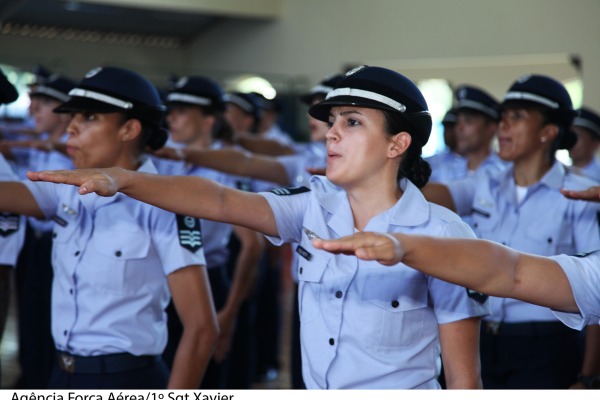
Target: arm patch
[[9, 223], [190, 235], [290, 191]]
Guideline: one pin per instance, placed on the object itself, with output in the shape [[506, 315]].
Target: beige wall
[[485, 42]]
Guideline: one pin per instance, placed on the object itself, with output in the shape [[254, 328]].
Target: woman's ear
[[130, 130], [548, 133], [399, 143]]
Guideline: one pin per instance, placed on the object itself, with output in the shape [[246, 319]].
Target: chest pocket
[[119, 262], [395, 311], [310, 278], [550, 239], [484, 222]]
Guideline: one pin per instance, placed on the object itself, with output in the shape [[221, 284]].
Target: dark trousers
[[215, 376], [151, 377], [531, 356], [34, 286], [296, 356]]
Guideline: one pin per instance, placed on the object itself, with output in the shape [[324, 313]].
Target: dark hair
[[412, 166], [152, 136]]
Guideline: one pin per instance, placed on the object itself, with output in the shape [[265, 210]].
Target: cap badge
[[93, 72], [355, 70], [524, 78], [181, 82], [462, 93]]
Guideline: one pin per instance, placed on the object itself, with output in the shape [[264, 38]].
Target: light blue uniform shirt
[[364, 325], [544, 223], [447, 166], [592, 170], [583, 274], [111, 257], [12, 226]]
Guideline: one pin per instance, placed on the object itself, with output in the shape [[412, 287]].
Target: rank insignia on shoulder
[[582, 255], [9, 223], [290, 191], [190, 235], [244, 185], [478, 297]]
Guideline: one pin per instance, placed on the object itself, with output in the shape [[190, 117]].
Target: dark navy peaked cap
[[8, 93], [382, 89], [198, 90], [321, 90], [55, 86], [112, 89], [249, 102], [449, 117], [542, 91], [588, 119], [474, 98]]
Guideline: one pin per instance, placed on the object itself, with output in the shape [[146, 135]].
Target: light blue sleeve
[[463, 193], [289, 211], [583, 274]]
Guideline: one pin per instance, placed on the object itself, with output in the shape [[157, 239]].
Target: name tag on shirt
[[303, 252]]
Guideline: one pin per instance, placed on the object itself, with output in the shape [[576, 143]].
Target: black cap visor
[[79, 104]]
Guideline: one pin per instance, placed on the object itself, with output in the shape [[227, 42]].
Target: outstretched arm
[[186, 195], [231, 161], [264, 146], [590, 194], [480, 265]]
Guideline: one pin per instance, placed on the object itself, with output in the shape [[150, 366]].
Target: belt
[[526, 328], [107, 364]]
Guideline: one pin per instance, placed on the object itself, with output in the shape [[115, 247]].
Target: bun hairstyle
[[402, 103], [112, 89], [551, 99]]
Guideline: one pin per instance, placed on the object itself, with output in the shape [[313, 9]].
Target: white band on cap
[[478, 106], [48, 91], [243, 103], [586, 123], [189, 98], [101, 97], [321, 89], [531, 97], [365, 94]]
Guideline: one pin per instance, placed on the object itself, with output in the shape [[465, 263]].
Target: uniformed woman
[[195, 119], [118, 261], [568, 285], [523, 346], [363, 325]]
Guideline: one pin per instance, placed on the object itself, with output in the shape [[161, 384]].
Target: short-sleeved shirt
[[544, 223], [592, 170], [447, 166], [111, 256], [583, 273], [12, 226], [364, 325]]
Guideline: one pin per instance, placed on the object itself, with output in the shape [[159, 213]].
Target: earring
[[543, 139]]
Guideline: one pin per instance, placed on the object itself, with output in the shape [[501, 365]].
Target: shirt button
[[118, 253], [475, 225], [65, 333], [549, 240], [395, 304], [53, 235], [339, 294], [71, 291], [300, 270], [331, 341], [76, 253]]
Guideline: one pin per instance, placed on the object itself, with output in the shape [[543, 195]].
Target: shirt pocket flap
[[312, 270], [395, 294], [122, 246]]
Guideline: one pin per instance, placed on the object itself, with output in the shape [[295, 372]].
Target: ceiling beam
[[269, 9]]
